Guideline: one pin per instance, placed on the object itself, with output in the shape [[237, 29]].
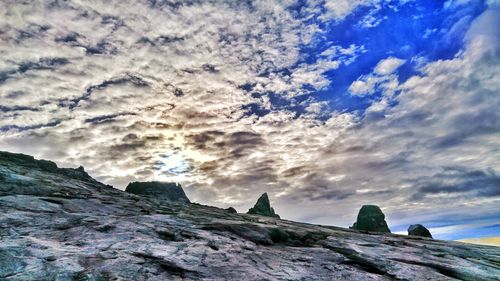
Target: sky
[[327, 105]]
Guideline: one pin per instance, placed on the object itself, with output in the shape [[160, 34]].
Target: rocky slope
[[60, 224]]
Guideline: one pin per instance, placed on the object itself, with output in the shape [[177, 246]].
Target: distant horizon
[[470, 235], [325, 105]]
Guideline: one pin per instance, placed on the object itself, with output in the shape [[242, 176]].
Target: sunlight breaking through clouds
[[320, 103]]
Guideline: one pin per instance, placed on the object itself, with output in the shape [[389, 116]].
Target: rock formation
[[419, 230], [232, 210], [263, 207], [169, 191], [371, 218], [58, 225]]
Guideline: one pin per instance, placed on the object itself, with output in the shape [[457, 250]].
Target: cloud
[[458, 180], [220, 97], [338, 10], [382, 78], [361, 88], [388, 66]]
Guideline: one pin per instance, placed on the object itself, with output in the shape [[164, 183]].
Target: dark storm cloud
[[135, 146], [31, 31], [295, 171], [241, 143], [470, 125], [159, 4], [233, 145], [207, 140], [315, 187], [458, 181], [160, 40], [332, 195], [15, 94], [31, 127], [71, 37], [244, 138], [76, 40], [107, 118], [208, 167], [100, 48], [128, 78], [255, 176], [395, 162], [209, 68], [114, 21], [320, 190], [25, 66], [18, 108]]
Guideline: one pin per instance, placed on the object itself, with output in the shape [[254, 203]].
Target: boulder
[[419, 230], [168, 191], [371, 218], [28, 161], [263, 207], [78, 173]]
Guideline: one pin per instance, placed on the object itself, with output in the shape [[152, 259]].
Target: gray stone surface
[[61, 226]]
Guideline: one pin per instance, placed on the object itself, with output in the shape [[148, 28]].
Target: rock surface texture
[[371, 218], [169, 191], [59, 224], [419, 230], [263, 207]]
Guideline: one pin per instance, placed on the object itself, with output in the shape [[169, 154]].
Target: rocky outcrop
[[71, 228], [263, 207], [22, 183], [419, 230], [371, 218], [28, 161], [168, 191], [232, 210]]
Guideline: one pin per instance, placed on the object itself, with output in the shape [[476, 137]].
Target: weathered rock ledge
[[60, 224], [168, 191]]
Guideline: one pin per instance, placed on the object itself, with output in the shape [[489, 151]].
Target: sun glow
[[175, 164]]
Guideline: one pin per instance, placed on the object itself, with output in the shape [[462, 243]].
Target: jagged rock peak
[[371, 218], [263, 207], [419, 230], [169, 191]]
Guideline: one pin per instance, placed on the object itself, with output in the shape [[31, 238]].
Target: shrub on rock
[[419, 230], [371, 218]]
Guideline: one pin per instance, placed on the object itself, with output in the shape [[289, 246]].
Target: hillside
[[61, 224]]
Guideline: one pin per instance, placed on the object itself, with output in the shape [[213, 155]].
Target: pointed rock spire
[[263, 207]]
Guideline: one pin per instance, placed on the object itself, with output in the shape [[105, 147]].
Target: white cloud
[[451, 4], [382, 78], [388, 65], [339, 9], [142, 96], [361, 88]]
